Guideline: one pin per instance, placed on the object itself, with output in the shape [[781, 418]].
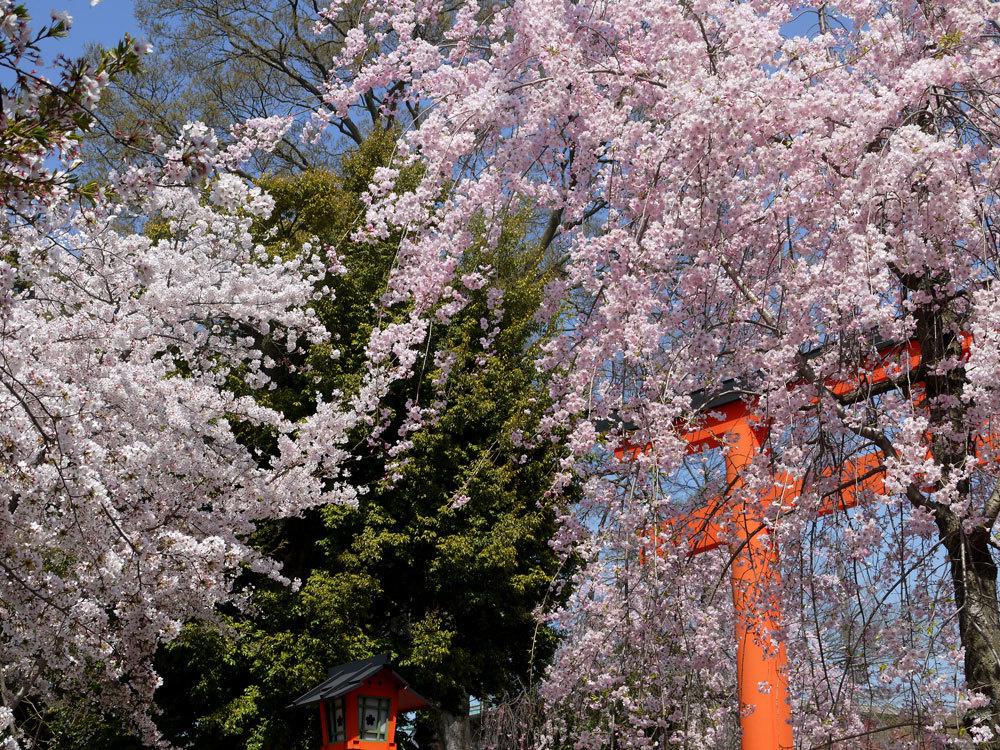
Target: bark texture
[[455, 727]]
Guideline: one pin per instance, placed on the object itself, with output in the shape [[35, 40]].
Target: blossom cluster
[[129, 498]]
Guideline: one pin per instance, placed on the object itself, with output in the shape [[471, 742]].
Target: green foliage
[[76, 728]]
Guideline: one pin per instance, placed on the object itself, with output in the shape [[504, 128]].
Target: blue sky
[[106, 23]]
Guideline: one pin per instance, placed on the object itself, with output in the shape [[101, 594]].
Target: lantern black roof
[[344, 678]]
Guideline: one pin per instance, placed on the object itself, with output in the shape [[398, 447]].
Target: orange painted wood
[[378, 686], [765, 711]]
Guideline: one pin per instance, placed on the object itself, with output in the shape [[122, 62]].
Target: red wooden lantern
[[359, 702]]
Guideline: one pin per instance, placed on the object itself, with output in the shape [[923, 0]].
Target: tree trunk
[[451, 731], [974, 576], [455, 729], [973, 569]]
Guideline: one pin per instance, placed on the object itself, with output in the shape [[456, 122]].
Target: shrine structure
[[731, 422]]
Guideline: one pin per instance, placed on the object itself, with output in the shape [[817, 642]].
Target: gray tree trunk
[[970, 557], [455, 729], [974, 577]]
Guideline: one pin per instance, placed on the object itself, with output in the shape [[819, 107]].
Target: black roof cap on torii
[[344, 678], [730, 390]]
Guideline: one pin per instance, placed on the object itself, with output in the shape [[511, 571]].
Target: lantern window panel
[[336, 720], [373, 718]]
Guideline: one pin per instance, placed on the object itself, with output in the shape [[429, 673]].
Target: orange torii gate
[[765, 713]]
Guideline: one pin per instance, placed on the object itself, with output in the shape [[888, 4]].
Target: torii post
[[765, 714], [762, 685]]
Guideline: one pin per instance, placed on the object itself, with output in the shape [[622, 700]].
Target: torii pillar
[[765, 712]]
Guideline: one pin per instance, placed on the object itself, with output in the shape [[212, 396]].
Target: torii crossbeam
[[765, 714]]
